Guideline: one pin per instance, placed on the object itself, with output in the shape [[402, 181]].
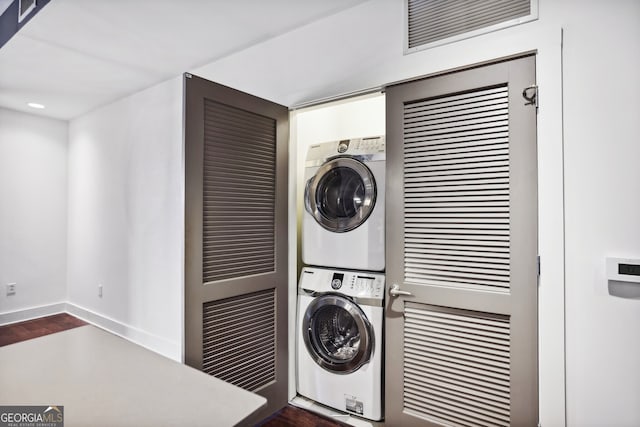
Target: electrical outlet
[[100, 290], [11, 289]]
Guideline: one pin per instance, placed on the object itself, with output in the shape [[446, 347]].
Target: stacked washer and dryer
[[341, 290]]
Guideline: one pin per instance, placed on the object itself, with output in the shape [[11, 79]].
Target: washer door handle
[[395, 291]]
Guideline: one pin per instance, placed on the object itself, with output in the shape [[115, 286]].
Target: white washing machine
[[339, 340], [343, 221]]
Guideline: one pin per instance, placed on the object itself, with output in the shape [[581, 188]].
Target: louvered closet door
[[461, 349], [236, 239]]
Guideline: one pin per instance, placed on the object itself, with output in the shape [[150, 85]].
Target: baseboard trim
[[32, 313], [152, 342]]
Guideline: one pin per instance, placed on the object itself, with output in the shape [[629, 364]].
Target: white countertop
[[104, 380]]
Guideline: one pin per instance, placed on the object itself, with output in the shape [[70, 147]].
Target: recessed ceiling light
[[35, 105]]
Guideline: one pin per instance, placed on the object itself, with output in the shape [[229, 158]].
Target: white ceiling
[[4, 4], [76, 55]]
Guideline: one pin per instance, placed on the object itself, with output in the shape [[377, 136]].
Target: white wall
[[33, 213], [602, 150], [126, 217]]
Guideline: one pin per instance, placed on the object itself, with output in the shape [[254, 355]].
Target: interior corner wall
[[126, 217], [33, 214], [602, 180]]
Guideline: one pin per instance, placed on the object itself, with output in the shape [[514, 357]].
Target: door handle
[[395, 291], [307, 202]]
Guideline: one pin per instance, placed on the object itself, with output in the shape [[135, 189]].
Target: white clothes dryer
[[343, 220], [339, 340]]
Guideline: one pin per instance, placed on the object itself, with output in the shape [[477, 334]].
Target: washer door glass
[[337, 334], [341, 195]]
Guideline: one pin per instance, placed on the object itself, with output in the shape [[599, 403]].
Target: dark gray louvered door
[[461, 347], [236, 238]]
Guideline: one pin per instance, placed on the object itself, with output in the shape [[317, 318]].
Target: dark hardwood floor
[[289, 416], [22, 331]]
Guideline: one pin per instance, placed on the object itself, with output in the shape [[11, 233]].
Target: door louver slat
[[457, 193], [430, 21], [238, 187], [457, 366], [239, 337]]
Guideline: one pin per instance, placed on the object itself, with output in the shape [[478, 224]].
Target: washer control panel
[[351, 283]]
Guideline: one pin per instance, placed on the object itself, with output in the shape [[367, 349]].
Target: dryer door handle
[[307, 201], [395, 291]]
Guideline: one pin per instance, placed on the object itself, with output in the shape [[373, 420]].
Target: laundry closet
[[340, 200]]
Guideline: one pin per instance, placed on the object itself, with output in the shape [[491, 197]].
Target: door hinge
[[530, 94], [538, 261]]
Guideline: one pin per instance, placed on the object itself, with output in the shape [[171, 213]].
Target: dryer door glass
[[341, 195], [337, 334]]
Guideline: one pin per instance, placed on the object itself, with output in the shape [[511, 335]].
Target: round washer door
[[341, 195], [337, 334]]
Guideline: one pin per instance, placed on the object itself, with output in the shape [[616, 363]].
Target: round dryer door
[[341, 195], [337, 334]]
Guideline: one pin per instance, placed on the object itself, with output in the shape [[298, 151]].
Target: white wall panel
[[602, 149], [126, 214], [33, 211]]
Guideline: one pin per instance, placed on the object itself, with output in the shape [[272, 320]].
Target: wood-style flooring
[[289, 416], [22, 331]]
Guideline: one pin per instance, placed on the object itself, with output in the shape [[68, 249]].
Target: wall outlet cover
[[11, 289]]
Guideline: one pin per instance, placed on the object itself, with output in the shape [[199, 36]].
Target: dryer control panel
[[372, 145], [351, 283], [371, 148]]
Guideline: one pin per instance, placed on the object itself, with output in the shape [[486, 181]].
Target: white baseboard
[[161, 345], [32, 313], [154, 343]]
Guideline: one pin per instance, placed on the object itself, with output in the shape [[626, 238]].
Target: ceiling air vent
[[435, 22]]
